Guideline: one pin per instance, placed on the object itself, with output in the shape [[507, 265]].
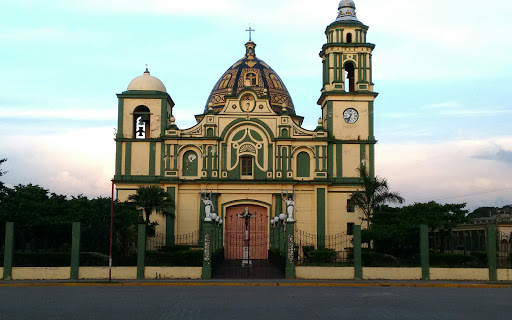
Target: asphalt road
[[220, 302]]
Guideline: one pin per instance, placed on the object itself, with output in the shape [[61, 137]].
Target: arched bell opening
[[141, 122]]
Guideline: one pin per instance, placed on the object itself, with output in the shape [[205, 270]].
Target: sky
[[442, 70]]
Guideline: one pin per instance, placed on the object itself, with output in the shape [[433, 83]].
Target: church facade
[[248, 146]]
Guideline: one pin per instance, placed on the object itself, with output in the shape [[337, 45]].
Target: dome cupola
[[146, 82], [347, 11], [253, 73]]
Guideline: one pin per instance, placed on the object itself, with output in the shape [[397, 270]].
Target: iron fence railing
[[504, 253], [182, 250], [335, 250]]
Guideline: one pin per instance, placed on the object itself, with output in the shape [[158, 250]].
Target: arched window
[[190, 164], [350, 85], [141, 117], [349, 37], [250, 79], [303, 165]]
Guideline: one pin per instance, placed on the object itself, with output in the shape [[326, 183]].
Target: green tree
[[152, 198], [2, 172], [376, 192], [394, 229]]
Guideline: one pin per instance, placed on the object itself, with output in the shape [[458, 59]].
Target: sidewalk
[[255, 282]]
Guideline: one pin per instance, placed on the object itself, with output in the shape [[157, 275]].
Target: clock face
[[350, 115]]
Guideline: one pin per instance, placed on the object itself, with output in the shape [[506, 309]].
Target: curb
[[253, 284]]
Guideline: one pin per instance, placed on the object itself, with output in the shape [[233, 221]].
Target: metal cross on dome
[[250, 30]]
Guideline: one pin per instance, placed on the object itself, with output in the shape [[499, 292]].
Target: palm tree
[[151, 198], [376, 192]]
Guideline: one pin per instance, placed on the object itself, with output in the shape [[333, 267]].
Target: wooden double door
[[246, 238]]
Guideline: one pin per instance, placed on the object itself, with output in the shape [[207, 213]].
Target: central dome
[[251, 72]]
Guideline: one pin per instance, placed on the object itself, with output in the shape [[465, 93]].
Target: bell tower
[[347, 92]]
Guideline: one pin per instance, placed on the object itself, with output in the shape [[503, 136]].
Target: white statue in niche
[[290, 204], [208, 204]]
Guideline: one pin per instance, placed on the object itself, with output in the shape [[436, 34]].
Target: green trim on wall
[[330, 117], [163, 163], [339, 160], [346, 23], [317, 158], [330, 164], [303, 165], [362, 152], [170, 217], [146, 94], [370, 120], [372, 160], [279, 205], [152, 147], [163, 117], [320, 217], [119, 157], [128, 159], [237, 123], [120, 116]]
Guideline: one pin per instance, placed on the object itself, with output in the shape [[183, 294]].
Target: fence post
[[207, 250], [358, 261], [9, 249], [141, 250], [75, 251], [510, 244], [491, 252], [424, 258], [290, 255]]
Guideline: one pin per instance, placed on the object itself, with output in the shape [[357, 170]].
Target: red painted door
[[253, 240]]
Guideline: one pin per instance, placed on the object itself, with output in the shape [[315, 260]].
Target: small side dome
[[147, 82]]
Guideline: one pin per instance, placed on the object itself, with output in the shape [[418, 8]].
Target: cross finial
[[146, 68], [250, 30]]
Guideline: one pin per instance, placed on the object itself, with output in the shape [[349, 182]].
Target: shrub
[[377, 259], [320, 256], [452, 260]]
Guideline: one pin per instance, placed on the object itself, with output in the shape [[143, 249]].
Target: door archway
[[243, 242]]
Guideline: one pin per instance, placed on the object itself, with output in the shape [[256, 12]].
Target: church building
[[248, 145]]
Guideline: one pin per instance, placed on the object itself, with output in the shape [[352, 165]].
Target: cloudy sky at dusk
[[442, 68]]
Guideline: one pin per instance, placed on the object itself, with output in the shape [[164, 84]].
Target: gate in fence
[[247, 251]]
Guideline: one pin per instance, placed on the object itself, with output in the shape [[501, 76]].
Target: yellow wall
[[351, 154], [172, 273], [118, 273], [480, 274], [140, 158], [40, 273], [324, 273], [504, 274], [392, 273], [187, 211], [345, 131]]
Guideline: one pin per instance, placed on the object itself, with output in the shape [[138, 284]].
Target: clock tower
[[347, 92]]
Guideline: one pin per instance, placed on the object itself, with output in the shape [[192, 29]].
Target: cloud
[[501, 155], [452, 171], [443, 105], [24, 34], [58, 114], [72, 162]]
